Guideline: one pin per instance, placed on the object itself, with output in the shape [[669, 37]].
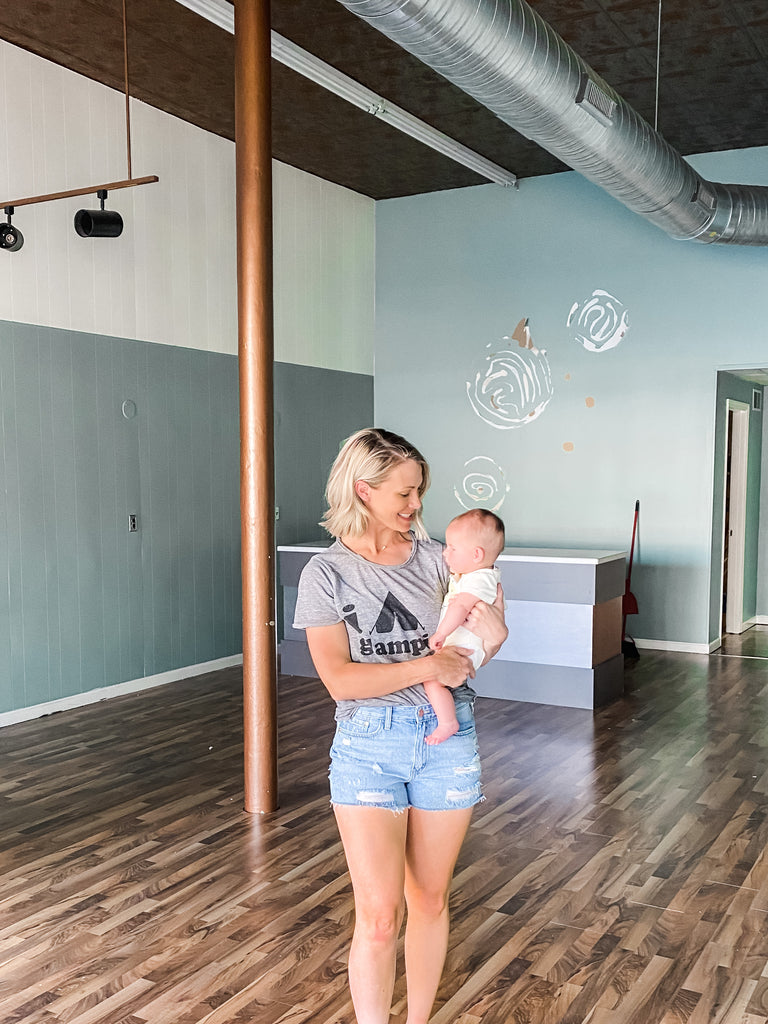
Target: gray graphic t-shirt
[[390, 611]]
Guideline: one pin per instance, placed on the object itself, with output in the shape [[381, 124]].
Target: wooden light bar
[[110, 186]]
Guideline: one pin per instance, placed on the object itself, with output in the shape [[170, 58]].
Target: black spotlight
[[10, 237], [99, 223]]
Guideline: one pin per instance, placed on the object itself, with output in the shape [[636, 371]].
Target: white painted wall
[[324, 273], [170, 277]]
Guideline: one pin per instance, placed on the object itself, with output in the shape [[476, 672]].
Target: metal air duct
[[504, 55]]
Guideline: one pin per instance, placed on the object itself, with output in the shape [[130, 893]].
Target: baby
[[473, 542]]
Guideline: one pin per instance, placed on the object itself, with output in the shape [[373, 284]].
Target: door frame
[[736, 514]]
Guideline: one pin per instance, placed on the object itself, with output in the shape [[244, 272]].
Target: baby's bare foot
[[442, 732]]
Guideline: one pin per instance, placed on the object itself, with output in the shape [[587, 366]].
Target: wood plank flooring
[[616, 874]]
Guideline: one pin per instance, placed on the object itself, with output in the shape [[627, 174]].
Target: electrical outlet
[[133, 523], [277, 512]]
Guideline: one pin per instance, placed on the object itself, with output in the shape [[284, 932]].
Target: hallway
[[753, 643]]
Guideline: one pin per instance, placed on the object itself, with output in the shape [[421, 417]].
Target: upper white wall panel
[[171, 276]]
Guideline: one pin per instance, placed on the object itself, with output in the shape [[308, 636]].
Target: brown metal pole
[[253, 139]]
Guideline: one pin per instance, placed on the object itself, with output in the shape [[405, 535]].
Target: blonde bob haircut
[[368, 455]]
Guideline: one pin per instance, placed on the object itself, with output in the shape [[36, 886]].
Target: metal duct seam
[[504, 55]]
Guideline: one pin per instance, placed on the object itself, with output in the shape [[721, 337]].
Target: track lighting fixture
[[88, 223], [10, 237], [99, 223]]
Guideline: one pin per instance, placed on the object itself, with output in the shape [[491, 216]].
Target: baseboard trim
[[675, 645], [78, 700], [761, 620]]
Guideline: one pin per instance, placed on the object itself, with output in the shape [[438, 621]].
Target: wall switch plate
[[133, 523]]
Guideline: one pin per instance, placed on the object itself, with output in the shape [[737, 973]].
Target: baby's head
[[473, 540]]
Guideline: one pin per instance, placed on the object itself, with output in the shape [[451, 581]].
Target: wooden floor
[[617, 873]]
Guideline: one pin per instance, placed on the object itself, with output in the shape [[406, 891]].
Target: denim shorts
[[379, 759]]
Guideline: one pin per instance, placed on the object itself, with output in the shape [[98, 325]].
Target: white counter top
[[580, 556], [311, 545], [577, 556]]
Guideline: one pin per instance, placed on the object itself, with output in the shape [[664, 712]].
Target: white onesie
[[482, 583]]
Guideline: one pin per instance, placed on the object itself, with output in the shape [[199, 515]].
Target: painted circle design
[[512, 388], [483, 484], [599, 322]]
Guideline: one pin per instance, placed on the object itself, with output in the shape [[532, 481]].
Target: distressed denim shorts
[[379, 759]]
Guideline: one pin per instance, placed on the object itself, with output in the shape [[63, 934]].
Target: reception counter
[[564, 614]]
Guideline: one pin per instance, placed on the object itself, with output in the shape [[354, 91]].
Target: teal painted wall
[[456, 271], [315, 410], [88, 604]]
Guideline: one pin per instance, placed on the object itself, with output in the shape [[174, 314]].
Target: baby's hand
[[435, 643]]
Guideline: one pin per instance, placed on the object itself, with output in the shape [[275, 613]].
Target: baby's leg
[[441, 699]]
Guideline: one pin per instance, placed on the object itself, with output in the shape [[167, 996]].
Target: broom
[[629, 601]]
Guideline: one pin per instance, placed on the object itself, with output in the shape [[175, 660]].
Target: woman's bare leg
[[374, 843], [432, 846]]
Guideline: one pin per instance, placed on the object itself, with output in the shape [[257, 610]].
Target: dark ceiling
[[713, 91]]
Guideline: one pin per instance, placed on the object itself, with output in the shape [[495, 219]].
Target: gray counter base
[[561, 685], [295, 659]]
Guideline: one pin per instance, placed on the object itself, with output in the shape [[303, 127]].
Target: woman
[[369, 605]]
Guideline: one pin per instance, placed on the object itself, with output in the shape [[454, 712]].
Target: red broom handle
[[632, 548]]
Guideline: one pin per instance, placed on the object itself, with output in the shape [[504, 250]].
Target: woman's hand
[[487, 622], [350, 680], [450, 666]]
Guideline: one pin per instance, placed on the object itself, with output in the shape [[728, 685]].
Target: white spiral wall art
[[599, 322], [514, 385], [483, 484]]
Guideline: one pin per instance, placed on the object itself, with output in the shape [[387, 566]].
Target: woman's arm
[[487, 622], [349, 680]]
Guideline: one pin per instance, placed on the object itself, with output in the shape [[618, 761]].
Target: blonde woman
[[369, 605]]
